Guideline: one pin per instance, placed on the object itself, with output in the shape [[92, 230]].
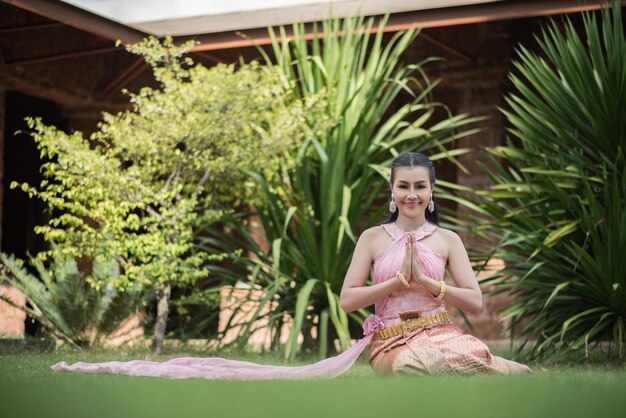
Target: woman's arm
[[354, 293], [466, 295]]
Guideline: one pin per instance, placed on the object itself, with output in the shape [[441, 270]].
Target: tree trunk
[[163, 308]]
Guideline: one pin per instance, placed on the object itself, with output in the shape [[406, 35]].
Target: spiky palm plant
[[64, 301], [336, 187], [558, 202]]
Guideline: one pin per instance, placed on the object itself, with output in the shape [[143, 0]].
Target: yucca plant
[[558, 198], [64, 301], [337, 186]]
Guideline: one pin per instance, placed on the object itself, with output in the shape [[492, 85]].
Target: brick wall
[[477, 88], [11, 319]]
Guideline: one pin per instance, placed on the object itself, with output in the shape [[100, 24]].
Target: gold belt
[[411, 324]]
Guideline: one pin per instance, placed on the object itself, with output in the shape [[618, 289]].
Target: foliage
[[559, 199], [141, 185], [335, 188], [64, 302]]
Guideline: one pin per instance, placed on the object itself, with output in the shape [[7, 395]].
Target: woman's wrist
[[429, 283], [442, 290], [402, 279]]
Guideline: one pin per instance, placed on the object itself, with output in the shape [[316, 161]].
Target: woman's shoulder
[[444, 232], [373, 232], [444, 241], [450, 236], [374, 241], [374, 238]]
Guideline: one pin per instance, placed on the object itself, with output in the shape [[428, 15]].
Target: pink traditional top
[[386, 313], [389, 262]]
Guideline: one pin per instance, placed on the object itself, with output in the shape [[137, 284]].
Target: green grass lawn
[[28, 388]]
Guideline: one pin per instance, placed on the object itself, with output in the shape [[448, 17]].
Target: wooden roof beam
[[35, 26], [133, 71], [65, 55], [80, 19]]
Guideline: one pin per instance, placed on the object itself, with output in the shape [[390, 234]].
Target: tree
[[139, 188]]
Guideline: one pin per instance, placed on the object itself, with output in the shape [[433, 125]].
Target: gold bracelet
[[442, 290], [401, 277]]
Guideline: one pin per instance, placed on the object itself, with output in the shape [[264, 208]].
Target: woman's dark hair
[[413, 159]]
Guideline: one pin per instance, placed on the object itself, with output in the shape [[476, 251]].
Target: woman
[[410, 331], [409, 253]]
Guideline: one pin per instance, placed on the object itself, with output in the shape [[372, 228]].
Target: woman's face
[[411, 190]]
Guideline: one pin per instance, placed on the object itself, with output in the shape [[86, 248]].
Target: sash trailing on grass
[[219, 368]]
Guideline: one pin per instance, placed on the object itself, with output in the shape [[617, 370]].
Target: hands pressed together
[[412, 266]]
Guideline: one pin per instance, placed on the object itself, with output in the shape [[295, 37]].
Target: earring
[[431, 204], [392, 205]]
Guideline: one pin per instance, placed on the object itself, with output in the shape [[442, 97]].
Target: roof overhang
[[250, 28]]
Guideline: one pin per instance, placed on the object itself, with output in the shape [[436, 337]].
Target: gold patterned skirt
[[437, 349]]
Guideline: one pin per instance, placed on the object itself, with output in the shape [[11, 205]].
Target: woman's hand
[[417, 272], [406, 263]]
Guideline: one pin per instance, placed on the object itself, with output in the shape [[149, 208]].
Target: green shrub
[[140, 186]]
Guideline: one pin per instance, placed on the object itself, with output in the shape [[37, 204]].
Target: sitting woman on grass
[[409, 253]]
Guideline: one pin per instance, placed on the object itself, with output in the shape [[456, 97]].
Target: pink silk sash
[[220, 368]]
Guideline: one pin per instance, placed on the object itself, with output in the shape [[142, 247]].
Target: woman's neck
[[410, 224]]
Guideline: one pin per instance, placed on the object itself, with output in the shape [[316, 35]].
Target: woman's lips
[[411, 204]]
